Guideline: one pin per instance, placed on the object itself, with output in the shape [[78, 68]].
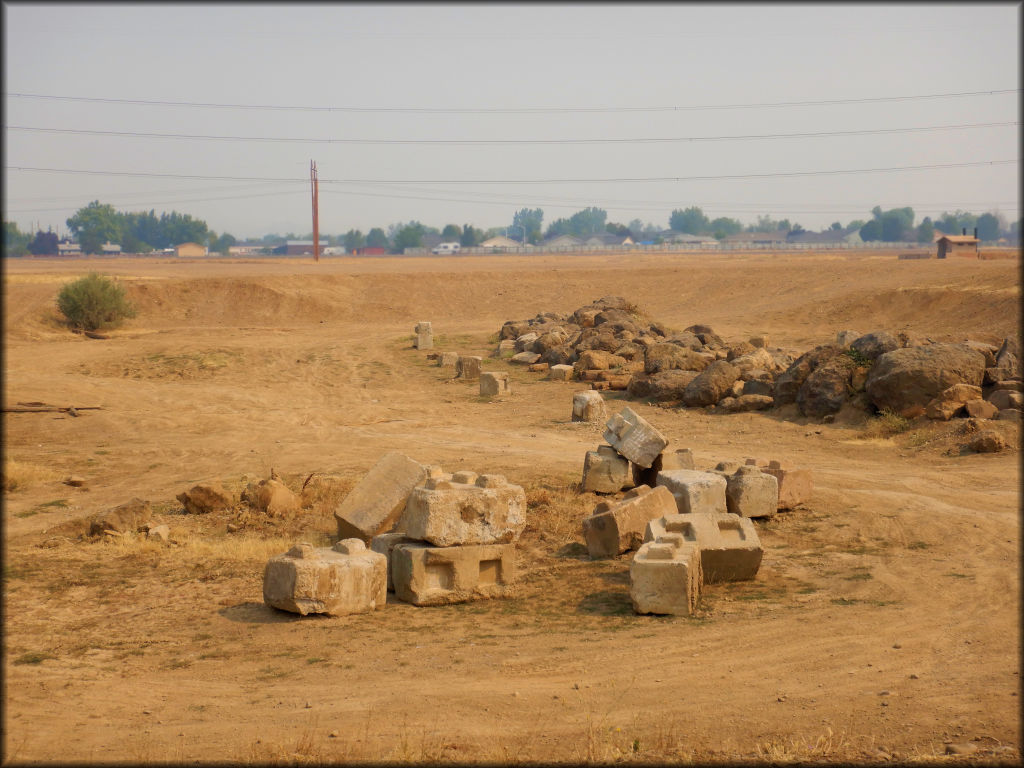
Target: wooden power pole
[[315, 187]]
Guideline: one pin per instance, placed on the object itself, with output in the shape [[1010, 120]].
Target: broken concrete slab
[[588, 406], [633, 437], [466, 509], [605, 471], [750, 492], [695, 492], [342, 580], [665, 577], [619, 526], [378, 500], [730, 549], [426, 575]]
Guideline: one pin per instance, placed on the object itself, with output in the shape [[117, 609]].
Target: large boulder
[[788, 383], [206, 497], [712, 384], [826, 388], [905, 380], [665, 385], [685, 339], [124, 518], [672, 357], [873, 345]]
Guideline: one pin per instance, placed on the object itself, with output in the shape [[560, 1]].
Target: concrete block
[[665, 577], [344, 579], [384, 544], [695, 492], [538, 368], [424, 335], [468, 509], [795, 485], [632, 436], [524, 343], [426, 575], [493, 384], [525, 358], [750, 492], [506, 348], [447, 359], [377, 501], [604, 471], [560, 373], [619, 526], [468, 367], [730, 549], [588, 406], [681, 458]]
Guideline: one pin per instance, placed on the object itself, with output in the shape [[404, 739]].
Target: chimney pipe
[[975, 233], [965, 231]]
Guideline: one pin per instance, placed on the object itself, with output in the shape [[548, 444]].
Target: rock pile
[[611, 346]]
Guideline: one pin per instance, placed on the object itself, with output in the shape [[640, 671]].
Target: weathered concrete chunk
[[588, 406], [493, 384], [695, 492], [206, 497], [525, 358], [665, 577], [342, 580], [468, 509], [730, 549], [468, 367], [605, 471], [272, 497], [447, 359], [795, 485], [424, 335], [426, 575], [124, 518], [681, 458], [750, 492], [633, 437], [385, 543], [618, 526], [377, 501], [506, 348], [560, 373]]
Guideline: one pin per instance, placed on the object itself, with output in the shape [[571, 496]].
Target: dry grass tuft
[[886, 424], [19, 475], [556, 510]]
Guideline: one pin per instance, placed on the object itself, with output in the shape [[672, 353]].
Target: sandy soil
[[884, 623]]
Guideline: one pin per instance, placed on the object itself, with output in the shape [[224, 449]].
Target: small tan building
[[191, 250], [957, 245]]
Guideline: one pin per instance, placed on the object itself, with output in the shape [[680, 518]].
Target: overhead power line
[[620, 180], [508, 110], [484, 142]]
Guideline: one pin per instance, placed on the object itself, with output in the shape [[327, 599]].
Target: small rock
[[234, 527], [897, 646], [146, 712], [161, 532], [884, 693], [75, 481], [309, 705], [914, 676], [961, 748]]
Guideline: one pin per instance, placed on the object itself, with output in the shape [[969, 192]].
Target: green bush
[[94, 302]]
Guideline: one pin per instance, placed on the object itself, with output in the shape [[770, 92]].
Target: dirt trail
[[885, 615]]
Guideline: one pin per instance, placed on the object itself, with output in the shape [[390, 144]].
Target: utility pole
[[314, 183]]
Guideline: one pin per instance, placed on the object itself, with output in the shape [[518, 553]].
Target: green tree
[[836, 227], [43, 244], [531, 220], [452, 233], [94, 225], [618, 229], [691, 221], [988, 227], [353, 240], [558, 227], [471, 236], [871, 231], [587, 222], [376, 238], [223, 243], [15, 241], [956, 223], [723, 226], [925, 230], [409, 236]]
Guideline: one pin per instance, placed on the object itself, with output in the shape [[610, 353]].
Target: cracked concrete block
[[468, 367], [632, 436], [604, 471], [377, 501], [560, 373], [493, 384], [342, 580], [588, 406], [619, 526], [795, 485], [467, 509], [695, 492], [730, 549], [426, 575], [750, 492], [424, 335], [447, 359], [665, 577]]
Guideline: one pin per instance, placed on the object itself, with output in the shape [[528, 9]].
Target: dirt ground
[[884, 623]]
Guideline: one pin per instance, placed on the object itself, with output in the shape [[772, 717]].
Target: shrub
[[94, 302]]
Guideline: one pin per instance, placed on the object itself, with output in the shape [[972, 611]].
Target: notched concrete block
[[695, 492], [341, 580], [426, 575], [619, 526], [633, 437]]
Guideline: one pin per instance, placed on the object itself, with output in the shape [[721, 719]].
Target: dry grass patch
[[19, 475]]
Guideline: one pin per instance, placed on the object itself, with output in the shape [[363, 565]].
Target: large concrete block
[[377, 501], [665, 577], [695, 492], [494, 384], [730, 549], [424, 335], [448, 359], [465, 509], [795, 485], [344, 579], [560, 373], [604, 471], [426, 575], [750, 492], [468, 367], [588, 406], [681, 458], [385, 543], [632, 436], [619, 526]]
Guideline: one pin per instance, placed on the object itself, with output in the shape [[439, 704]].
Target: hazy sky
[[591, 81]]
